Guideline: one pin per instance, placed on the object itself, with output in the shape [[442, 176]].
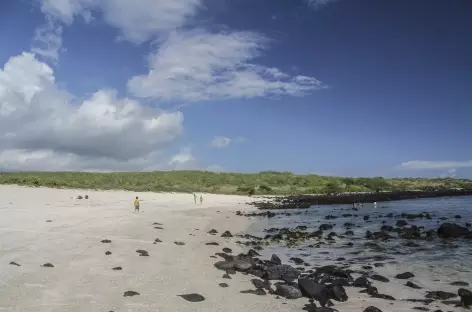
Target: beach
[[53, 255], [82, 278]]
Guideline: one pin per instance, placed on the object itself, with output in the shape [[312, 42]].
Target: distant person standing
[[136, 204], [195, 198], [201, 199]]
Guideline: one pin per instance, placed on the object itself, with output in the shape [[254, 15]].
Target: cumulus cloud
[[424, 164], [137, 20], [184, 160], [219, 67], [45, 128]]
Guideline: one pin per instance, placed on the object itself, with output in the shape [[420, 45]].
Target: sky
[[329, 87]]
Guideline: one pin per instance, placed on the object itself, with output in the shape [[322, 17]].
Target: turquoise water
[[438, 259]]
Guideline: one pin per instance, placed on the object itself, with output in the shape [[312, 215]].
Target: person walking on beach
[[201, 199], [195, 198], [136, 204]]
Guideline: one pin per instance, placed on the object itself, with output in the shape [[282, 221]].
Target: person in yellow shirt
[[136, 204]]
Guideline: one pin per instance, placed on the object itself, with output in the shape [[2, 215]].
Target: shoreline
[[360, 268], [306, 201]]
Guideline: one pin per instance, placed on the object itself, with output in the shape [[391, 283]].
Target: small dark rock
[[212, 244], [459, 283], [142, 253], [223, 285], [226, 276], [107, 253], [401, 223], [117, 268], [259, 292], [466, 297], [287, 291], [379, 278], [14, 263], [130, 293], [106, 241], [179, 243], [412, 285], [372, 309], [213, 232], [227, 250], [193, 297], [261, 283], [440, 295], [226, 234], [361, 282], [275, 260], [47, 265], [405, 275]]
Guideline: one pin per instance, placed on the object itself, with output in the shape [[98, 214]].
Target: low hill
[[269, 182]]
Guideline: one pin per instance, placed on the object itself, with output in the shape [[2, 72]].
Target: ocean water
[[434, 261]]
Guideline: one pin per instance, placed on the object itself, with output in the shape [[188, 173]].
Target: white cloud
[[137, 20], [218, 67], [45, 128], [220, 142], [48, 40], [316, 4], [424, 164], [184, 160]]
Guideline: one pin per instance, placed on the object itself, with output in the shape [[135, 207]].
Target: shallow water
[[437, 261]]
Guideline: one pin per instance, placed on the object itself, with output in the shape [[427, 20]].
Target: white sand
[[83, 279]]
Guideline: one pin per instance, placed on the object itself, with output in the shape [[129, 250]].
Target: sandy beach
[[41, 225], [82, 278]]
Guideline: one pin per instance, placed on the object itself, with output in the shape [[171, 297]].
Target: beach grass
[[266, 183]]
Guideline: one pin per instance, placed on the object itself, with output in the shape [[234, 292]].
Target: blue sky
[[356, 88]]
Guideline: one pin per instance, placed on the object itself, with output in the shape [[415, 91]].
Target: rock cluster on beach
[[325, 285]]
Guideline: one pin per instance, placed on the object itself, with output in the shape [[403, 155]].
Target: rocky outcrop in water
[[306, 201]]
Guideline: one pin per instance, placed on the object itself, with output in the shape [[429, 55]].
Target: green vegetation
[[269, 182]]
